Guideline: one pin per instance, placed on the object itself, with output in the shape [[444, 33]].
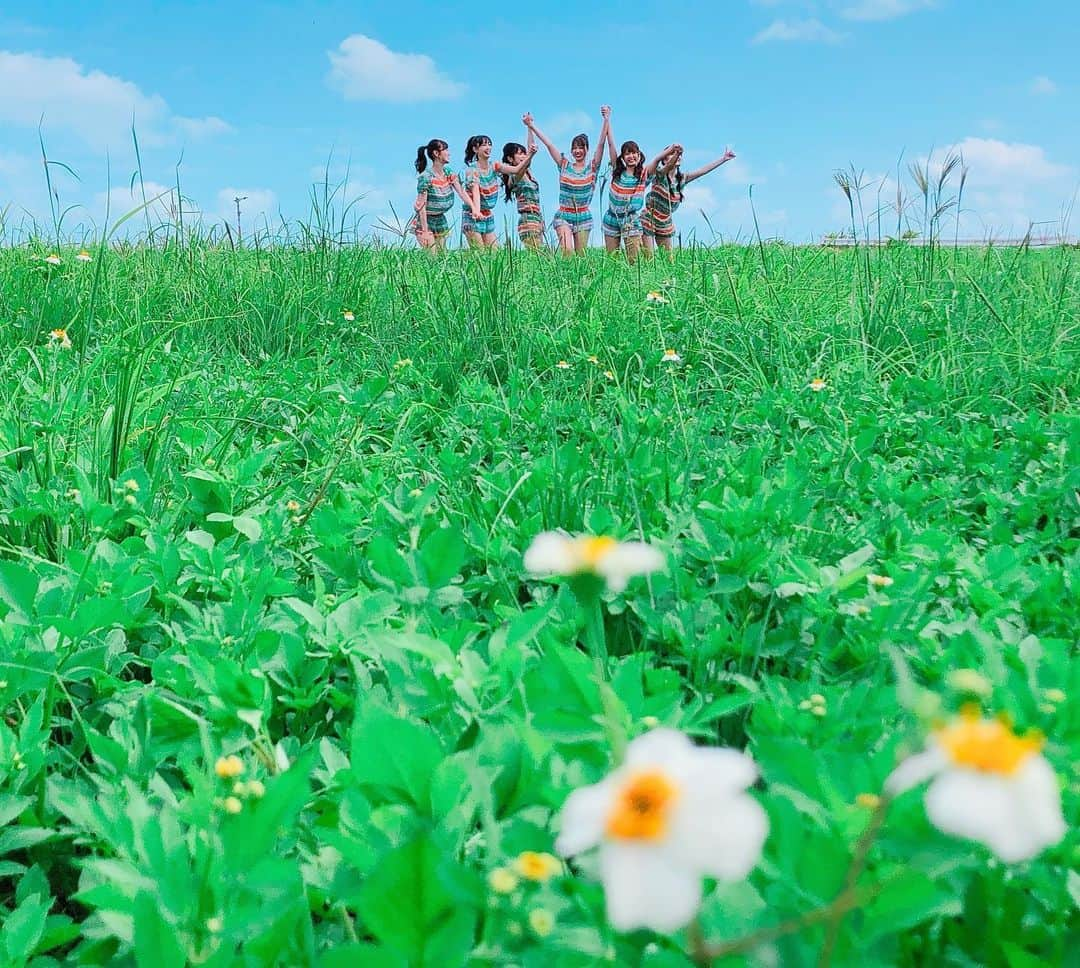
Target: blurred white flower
[[988, 785], [555, 553], [562, 365], [348, 315], [59, 337], [670, 356], [670, 816], [817, 384], [656, 299], [84, 256], [52, 260]]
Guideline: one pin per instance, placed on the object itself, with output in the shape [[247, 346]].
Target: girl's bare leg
[[475, 240], [581, 242], [566, 239], [647, 246], [489, 241], [532, 241], [611, 243], [665, 243], [633, 243]]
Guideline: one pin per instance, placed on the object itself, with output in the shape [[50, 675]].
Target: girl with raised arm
[[666, 195], [435, 192], [482, 185], [626, 197], [577, 183], [525, 189]]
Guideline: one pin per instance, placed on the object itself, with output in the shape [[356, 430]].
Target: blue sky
[[254, 99]]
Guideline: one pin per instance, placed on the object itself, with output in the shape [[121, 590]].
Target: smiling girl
[[435, 192], [666, 195], [626, 197], [577, 183], [525, 190]]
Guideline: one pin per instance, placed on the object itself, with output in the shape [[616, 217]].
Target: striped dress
[[576, 187], [626, 197], [488, 183], [526, 192], [660, 205], [440, 199]]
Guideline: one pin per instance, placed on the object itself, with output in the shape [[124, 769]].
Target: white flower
[[555, 553], [52, 260], [878, 581], [562, 365], [988, 785], [348, 315], [59, 337], [84, 256], [671, 815], [670, 356], [817, 384], [656, 299]]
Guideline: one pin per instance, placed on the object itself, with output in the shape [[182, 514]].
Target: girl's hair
[[424, 152], [676, 179], [510, 149], [580, 139], [620, 165], [473, 143]]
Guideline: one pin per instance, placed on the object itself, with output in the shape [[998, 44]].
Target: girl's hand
[[527, 119], [605, 111], [728, 154], [476, 213], [425, 237], [532, 149]]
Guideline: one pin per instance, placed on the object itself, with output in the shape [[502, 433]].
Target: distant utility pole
[[239, 236]]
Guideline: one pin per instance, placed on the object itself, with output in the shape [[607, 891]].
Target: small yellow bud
[[229, 767], [819, 711], [817, 699], [879, 581], [535, 866], [651, 721], [502, 880], [871, 801], [214, 925], [255, 789], [292, 506], [131, 485], [1055, 695], [131, 499], [232, 805], [970, 681], [240, 788], [542, 922]]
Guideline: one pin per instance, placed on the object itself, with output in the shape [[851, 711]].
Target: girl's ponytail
[[421, 159]]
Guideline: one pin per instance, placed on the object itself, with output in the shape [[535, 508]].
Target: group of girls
[[642, 198]]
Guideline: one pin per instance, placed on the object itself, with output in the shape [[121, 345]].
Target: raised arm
[[605, 137], [669, 152], [672, 159], [711, 166], [556, 155], [515, 170]]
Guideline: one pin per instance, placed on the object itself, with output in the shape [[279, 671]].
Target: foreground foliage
[[277, 687]]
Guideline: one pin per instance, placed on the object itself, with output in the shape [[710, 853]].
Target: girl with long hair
[[435, 192], [626, 196], [577, 183], [482, 185], [525, 190], [666, 195]]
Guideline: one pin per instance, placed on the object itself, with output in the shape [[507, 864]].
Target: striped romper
[[440, 199], [660, 205], [526, 192], [488, 183], [576, 187], [625, 200]]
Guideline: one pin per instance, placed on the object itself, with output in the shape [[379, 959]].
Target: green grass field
[[233, 523]]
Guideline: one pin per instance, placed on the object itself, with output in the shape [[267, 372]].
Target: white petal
[[626, 559], [1012, 816], [717, 771], [646, 888], [719, 837], [666, 749], [550, 553], [914, 770], [581, 823]]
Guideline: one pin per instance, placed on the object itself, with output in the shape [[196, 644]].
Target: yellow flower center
[[642, 807], [593, 549], [987, 745]]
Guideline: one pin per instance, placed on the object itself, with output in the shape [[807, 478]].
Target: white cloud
[[97, 107], [883, 9], [1042, 85], [1005, 163], [811, 31], [123, 199], [198, 128], [363, 69]]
